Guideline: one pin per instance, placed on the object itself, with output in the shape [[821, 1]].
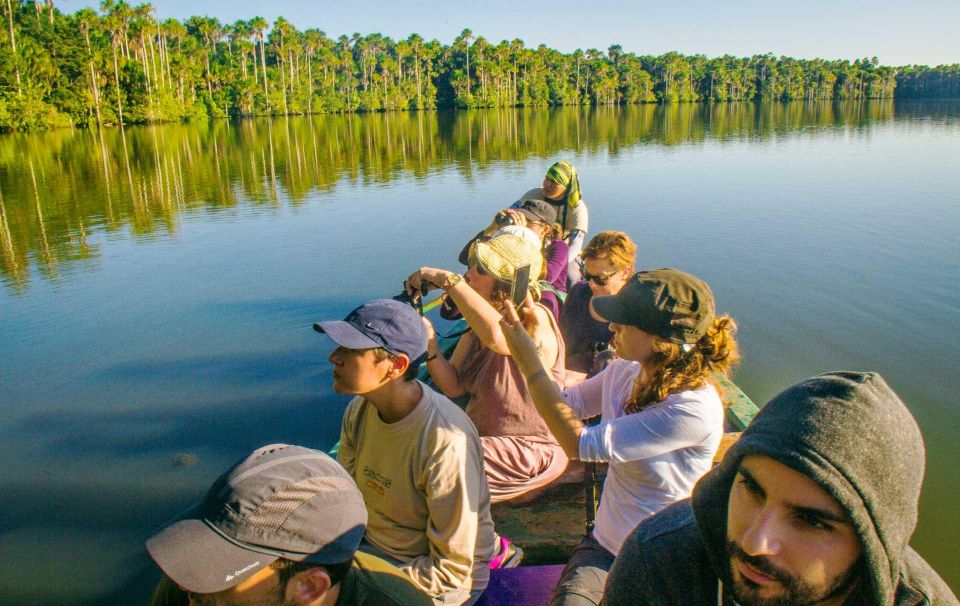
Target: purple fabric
[[581, 332], [526, 585], [556, 258], [549, 300]]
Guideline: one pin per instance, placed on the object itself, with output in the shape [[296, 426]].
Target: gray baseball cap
[[539, 210], [282, 501]]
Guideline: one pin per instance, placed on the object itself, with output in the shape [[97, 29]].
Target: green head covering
[[563, 173]]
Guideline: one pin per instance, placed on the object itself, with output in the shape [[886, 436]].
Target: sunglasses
[[475, 262], [599, 279]]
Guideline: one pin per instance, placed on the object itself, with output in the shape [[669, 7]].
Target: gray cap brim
[[612, 309], [530, 215], [201, 560], [346, 335]]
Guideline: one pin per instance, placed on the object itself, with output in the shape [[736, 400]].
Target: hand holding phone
[[520, 285]]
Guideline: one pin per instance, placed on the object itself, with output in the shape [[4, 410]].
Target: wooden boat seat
[[726, 442]]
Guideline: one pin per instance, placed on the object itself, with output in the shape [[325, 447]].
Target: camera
[[415, 302]]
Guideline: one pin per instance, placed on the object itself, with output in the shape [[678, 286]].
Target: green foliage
[[121, 65], [28, 112], [920, 81]]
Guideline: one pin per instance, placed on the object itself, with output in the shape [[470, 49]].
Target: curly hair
[[553, 232], [672, 369]]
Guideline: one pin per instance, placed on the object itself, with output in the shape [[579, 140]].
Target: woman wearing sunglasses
[[608, 262], [661, 415], [520, 453]]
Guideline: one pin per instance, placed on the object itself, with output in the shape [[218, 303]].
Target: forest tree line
[[122, 65]]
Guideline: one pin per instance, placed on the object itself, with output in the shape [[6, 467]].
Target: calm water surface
[[157, 285]]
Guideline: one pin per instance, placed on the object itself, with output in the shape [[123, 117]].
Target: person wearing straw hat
[[540, 220], [520, 453], [281, 526], [661, 415]]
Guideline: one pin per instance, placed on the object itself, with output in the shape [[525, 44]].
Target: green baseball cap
[[668, 303]]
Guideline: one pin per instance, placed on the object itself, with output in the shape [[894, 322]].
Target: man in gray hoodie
[[814, 504]]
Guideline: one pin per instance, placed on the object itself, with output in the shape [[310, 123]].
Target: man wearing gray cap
[[416, 456], [280, 527]]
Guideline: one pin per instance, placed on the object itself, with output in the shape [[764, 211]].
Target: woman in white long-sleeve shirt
[[660, 409]]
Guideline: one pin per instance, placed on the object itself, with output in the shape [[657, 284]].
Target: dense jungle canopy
[[123, 66]]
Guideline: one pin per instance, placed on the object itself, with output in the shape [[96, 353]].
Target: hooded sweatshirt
[[846, 431]]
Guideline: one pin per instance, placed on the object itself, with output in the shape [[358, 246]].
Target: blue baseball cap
[[385, 323]]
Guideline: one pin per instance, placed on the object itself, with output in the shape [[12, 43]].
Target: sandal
[[508, 556]]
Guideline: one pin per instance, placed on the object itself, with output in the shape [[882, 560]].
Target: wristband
[[451, 281]]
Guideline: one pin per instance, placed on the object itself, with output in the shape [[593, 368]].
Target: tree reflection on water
[[59, 188]]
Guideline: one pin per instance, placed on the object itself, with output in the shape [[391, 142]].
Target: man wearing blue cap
[[415, 455]]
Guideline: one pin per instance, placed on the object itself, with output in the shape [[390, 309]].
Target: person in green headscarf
[[561, 187], [564, 175]]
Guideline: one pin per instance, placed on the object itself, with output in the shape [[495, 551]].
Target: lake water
[[158, 285]]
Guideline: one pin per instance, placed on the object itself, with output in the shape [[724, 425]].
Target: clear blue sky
[[897, 32]]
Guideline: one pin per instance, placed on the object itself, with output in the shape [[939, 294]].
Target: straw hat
[[502, 254]]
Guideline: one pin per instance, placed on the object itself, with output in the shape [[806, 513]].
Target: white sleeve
[[648, 433], [586, 398], [579, 217]]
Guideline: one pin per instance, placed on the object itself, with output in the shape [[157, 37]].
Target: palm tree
[[114, 25], [13, 46], [416, 46], [278, 35], [516, 54], [174, 30], [312, 40], [239, 34], [142, 22], [122, 11], [209, 30], [259, 25], [86, 18], [480, 46], [467, 35], [578, 55]]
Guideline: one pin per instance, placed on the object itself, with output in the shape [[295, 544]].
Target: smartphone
[[521, 283]]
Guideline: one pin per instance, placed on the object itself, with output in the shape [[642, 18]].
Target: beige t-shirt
[[426, 493]]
